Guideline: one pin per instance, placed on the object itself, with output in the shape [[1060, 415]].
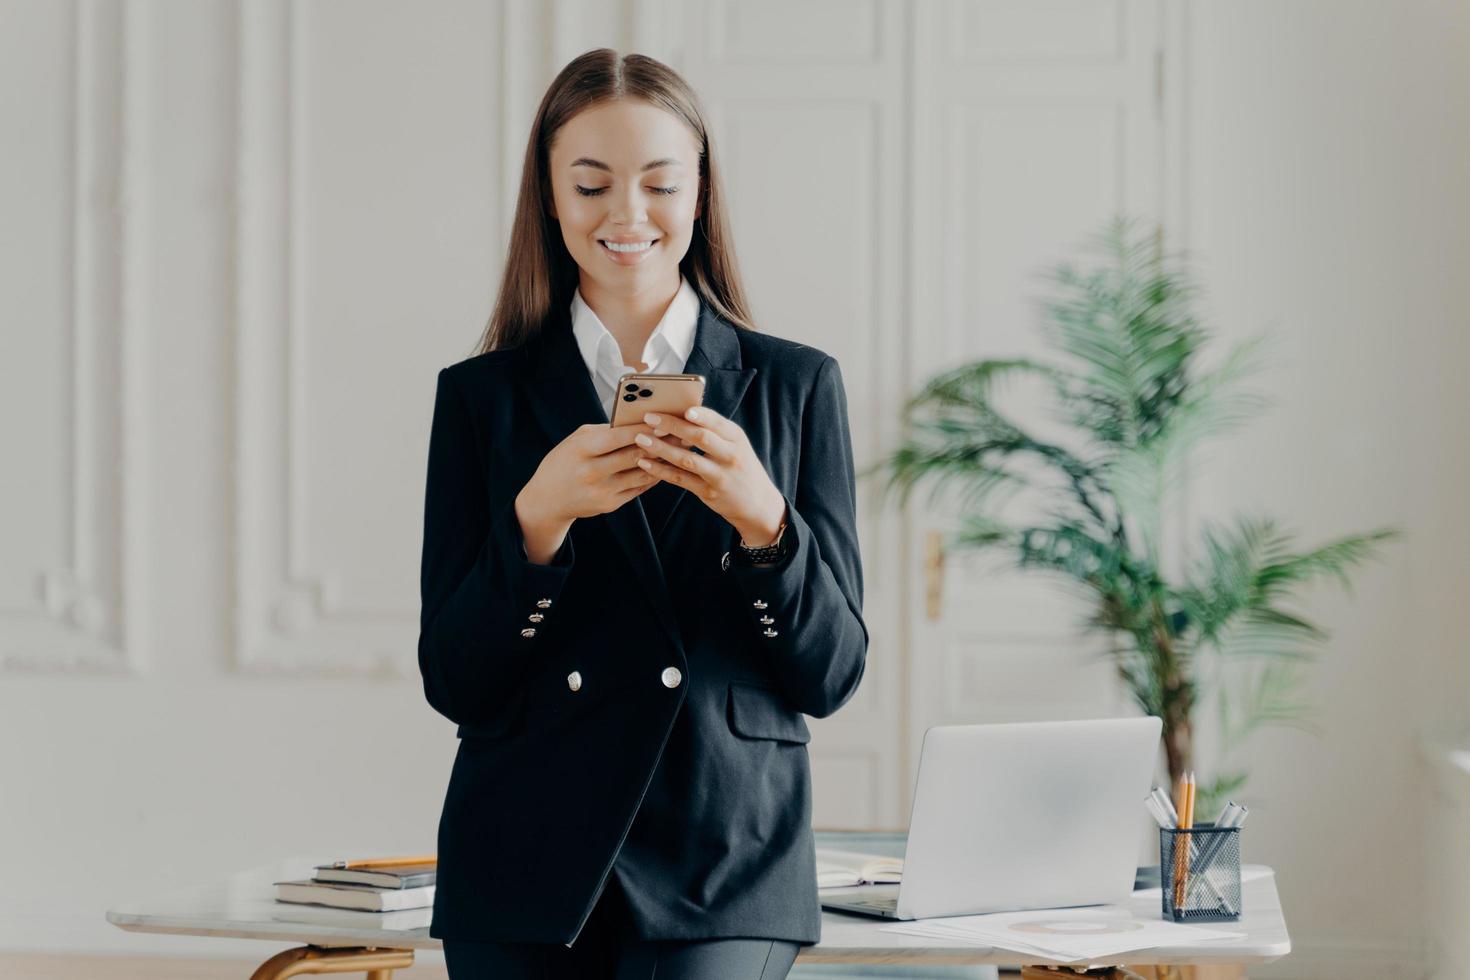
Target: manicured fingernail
[[642, 440], [645, 464], [692, 414], [652, 419]]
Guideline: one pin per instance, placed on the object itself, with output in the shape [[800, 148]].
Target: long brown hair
[[540, 274]]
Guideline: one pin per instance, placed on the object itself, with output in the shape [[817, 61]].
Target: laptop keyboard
[[874, 903]]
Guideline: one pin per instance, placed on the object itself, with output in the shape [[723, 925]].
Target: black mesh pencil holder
[[1203, 886]]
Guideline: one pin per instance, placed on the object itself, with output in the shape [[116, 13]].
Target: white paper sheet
[[1065, 934]]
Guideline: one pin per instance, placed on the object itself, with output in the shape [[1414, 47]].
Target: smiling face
[[603, 188]]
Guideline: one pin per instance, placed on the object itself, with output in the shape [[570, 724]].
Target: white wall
[[1326, 201], [1329, 205], [145, 758]]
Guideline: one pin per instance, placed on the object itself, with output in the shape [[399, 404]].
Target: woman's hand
[[728, 477], [589, 472]]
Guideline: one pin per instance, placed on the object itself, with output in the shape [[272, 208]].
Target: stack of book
[[384, 886]]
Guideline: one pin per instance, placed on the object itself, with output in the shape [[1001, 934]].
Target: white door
[[1033, 124]]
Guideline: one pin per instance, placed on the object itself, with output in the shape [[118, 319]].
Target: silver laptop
[[1031, 815]]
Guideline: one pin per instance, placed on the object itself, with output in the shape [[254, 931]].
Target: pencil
[[1181, 853], [1182, 792], [391, 862], [1188, 840]]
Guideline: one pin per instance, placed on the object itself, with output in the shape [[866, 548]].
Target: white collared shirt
[[666, 351]]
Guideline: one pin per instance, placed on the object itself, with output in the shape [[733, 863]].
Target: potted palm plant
[[1128, 388]]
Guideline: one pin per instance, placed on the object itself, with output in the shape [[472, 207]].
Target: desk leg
[[378, 963], [1213, 971], [1135, 973]]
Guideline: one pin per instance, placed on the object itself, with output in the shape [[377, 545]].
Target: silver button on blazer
[[670, 750]]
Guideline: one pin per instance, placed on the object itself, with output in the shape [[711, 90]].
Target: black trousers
[[606, 950]]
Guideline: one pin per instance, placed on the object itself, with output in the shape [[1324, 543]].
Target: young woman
[[628, 624]]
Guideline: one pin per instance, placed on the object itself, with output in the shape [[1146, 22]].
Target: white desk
[[243, 905], [853, 938]]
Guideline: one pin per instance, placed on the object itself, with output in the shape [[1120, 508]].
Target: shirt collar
[[674, 333]]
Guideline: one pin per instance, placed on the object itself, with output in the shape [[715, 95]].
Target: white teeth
[[630, 247]]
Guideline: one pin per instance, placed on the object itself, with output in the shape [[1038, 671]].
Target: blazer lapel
[[716, 355], [562, 397]]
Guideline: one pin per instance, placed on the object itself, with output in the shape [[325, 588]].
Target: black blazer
[[679, 763]]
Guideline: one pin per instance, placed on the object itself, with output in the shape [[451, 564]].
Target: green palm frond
[[1224, 582], [1142, 476], [1128, 327], [1330, 559], [1264, 633], [957, 435], [1247, 569]]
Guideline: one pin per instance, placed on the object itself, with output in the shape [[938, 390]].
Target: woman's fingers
[[600, 438], [709, 441], [657, 469], [684, 459], [610, 440], [617, 461], [635, 480], [626, 458], [673, 439]]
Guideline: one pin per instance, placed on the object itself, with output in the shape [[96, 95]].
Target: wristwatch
[[763, 555]]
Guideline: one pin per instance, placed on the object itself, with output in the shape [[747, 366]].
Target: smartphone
[[666, 394]]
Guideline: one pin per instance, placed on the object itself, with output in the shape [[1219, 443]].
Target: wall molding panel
[[290, 617], [88, 613]]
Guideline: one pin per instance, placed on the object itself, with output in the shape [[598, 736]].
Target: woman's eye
[[594, 191]]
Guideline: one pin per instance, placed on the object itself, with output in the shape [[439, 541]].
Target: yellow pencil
[[1181, 805], [1186, 822], [388, 862]]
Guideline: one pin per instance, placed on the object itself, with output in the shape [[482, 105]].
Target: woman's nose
[[634, 218], [629, 209]]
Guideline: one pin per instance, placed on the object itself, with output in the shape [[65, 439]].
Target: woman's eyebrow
[[654, 165]]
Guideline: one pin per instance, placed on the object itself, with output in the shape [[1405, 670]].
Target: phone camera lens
[[630, 398], [632, 386], [645, 392]]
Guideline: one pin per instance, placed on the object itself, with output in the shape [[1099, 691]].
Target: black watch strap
[[763, 555]]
